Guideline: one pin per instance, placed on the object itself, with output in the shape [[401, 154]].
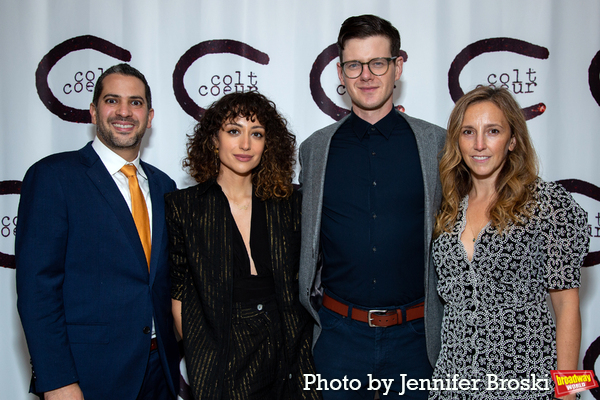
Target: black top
[[372, 225], [248, 287]]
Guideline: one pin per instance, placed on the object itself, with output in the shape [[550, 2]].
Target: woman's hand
[[176, 310]]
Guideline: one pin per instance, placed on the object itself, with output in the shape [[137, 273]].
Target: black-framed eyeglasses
[[378, 66]]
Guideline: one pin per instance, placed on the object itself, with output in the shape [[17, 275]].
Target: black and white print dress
[[497, 324]]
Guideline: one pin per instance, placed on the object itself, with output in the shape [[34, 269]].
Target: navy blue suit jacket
[[85, 296]]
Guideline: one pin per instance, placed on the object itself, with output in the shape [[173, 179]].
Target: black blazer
[[201, 256]]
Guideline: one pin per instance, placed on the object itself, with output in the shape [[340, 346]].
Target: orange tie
[[139, 209]]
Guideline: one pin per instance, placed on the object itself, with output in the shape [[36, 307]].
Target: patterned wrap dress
[[496, 316]]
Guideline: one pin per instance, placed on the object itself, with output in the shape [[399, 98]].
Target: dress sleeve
[[177, 254], [566, 239]]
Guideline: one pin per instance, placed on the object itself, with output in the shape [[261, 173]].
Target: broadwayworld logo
[[568, 382]]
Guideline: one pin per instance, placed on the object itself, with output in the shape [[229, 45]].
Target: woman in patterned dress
[[504, 239]]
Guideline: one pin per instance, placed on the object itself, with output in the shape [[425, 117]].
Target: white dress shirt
[[113, 163]]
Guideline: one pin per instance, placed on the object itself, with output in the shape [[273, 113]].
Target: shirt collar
[[385, 125], [114, 162]]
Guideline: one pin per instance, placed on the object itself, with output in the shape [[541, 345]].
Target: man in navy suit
[[94, 303]]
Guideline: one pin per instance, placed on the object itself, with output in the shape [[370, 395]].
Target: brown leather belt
[[153, 344], [381, 318]]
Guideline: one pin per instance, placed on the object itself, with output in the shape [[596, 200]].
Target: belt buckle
[[370, 318]]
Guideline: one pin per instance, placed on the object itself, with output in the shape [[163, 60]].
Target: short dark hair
[[272, 177], [364, 26], [123, 69]]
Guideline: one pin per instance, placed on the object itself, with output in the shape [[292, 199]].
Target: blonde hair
[[515, 183]]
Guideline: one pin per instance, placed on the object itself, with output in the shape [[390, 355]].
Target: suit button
[[146, 330]]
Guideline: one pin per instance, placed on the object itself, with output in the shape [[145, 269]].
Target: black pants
[[254, 362]]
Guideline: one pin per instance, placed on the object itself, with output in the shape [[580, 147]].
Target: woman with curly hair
[[504, 239], [234, 253]]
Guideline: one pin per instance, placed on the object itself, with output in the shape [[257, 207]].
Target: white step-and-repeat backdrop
[[192, 52]]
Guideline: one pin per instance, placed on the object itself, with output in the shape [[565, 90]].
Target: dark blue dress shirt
[[372, 227]]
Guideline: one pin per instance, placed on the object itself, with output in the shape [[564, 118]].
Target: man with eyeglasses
[[371, 189]]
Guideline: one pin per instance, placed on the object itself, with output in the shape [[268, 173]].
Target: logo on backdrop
[[82, 80], [593, 192], [594, 77], [589, 361], [218, 85], [319, 96], [518, 81], [9, 223], [316, 90]]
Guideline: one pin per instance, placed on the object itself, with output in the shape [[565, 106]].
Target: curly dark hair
[[272, 177]]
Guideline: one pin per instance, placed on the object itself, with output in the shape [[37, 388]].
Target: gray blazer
[[313, 160]]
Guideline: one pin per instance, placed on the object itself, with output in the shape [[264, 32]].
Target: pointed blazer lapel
[[158, 220], [106, 185], [313, 169], [428, 147]]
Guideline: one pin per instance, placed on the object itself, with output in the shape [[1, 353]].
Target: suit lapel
[[106, 185], [429, 165], [158, 220], [318, 160]]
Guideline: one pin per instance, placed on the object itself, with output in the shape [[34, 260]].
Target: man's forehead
[[375, 46], [120, 82]]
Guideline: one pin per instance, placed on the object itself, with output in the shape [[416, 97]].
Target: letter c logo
[[200, 50], [41, 74], [492, 45], [9, 187], [594, 77], [593, 192], [591, 355]]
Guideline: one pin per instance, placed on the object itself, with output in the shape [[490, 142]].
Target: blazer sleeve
[[300, 173], [178, 262], [40, 249]]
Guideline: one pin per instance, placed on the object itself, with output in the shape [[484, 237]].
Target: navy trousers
[[155, 385], [354, 360]]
